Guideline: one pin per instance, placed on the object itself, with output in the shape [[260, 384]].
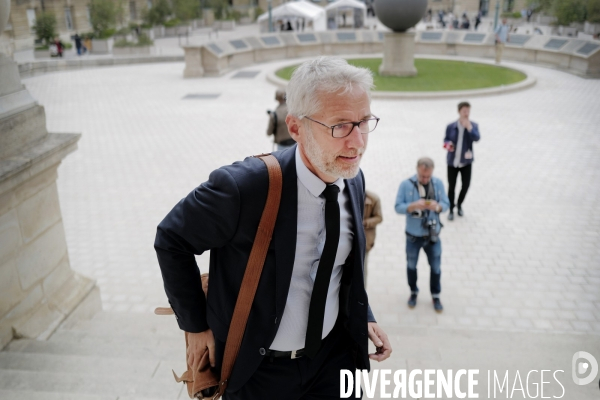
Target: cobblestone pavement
[[524, 257]]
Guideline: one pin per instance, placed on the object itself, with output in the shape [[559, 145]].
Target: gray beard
[[318, 159]]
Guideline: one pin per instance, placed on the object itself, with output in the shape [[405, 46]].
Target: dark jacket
[[467, 144], [222, 215], [277, 125]]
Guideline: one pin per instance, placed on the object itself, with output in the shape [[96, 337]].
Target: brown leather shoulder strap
[[254, 268]]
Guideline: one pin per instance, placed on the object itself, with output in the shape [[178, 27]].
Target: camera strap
[[428, 190], [274, 114]]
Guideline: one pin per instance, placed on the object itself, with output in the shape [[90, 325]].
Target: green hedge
[[143, 40]]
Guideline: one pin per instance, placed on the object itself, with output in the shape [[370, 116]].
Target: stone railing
[[581, 57]]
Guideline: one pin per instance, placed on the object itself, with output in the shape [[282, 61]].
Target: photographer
[[422, 198], [277, 125]]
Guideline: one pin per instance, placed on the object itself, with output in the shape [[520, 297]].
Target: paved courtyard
[[522, 263]]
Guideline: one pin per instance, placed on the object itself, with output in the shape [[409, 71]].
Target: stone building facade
[[72, 16]]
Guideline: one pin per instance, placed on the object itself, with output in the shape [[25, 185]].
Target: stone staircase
[[112, 356]]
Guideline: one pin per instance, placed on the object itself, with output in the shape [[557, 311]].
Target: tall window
[[484, 6], [69, 19], [132, 10], [31, 17], [149, 3], [509, 5]]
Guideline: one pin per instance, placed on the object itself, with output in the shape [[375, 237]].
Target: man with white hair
[[297, 339]]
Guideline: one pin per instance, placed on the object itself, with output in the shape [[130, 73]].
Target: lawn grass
[[434, 75]]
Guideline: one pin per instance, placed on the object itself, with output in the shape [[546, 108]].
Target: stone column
[[398, 54], [38, 289]]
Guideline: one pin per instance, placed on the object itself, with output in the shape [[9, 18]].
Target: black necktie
[[316, 311]]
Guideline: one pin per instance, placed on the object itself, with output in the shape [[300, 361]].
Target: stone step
[[127, 328], [136, 318], [67, 364], [124, 349], [28, 395], [102, 337], [116, 386]]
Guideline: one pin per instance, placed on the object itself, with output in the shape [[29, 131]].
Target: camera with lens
[[431, 226], [269, 112]]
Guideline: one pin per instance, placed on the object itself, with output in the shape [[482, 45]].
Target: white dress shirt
[[459, 145], [310, 240]]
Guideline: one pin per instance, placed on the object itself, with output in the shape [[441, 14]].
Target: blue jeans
[[434, 256]]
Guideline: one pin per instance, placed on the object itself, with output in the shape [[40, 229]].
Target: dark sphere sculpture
[[400, 15]]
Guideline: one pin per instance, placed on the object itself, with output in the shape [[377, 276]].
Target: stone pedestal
[[398, 54], [38, 289], [193, 62]]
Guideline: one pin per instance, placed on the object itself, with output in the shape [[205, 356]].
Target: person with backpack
[[422, 198], [277, 126]]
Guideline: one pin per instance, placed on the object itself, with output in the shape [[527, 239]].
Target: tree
[[540, 5], [158, 14], [567, 11], [103, 16], [593, 11], [220, 8], [45, 26], [186, 10]]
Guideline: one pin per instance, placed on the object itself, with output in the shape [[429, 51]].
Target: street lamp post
[[270, 15], [496, 14]]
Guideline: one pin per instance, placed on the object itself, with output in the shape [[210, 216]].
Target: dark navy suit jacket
[[222, 215], [467, 144]]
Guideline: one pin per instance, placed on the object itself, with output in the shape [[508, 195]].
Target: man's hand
[[433, 205], [417, 205], [198, 343], [466, 124], [380, 340]]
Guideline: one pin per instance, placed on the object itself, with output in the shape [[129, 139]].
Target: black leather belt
[[285, 354]]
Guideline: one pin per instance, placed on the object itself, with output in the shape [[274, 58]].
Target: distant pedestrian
[[465, 23], [459, 139], [501, 39], [87, 44], [371, 219], [529, 14], [78, 44], [277, 126], [478, 20], [422, 198], [59, 47]]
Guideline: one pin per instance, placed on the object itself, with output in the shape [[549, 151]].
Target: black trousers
[[302, 378], [465, 176]]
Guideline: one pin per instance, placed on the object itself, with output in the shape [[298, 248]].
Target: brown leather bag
[[205, 383]]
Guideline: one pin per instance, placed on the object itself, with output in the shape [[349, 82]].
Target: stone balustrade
[[581, 57]]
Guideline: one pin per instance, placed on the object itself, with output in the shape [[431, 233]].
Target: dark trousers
[[465, 176], [434, 257], [302, 378]]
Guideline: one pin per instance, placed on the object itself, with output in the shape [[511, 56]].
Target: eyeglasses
[[343, 130]]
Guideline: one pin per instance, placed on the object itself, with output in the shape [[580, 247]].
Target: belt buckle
[[293, 356]]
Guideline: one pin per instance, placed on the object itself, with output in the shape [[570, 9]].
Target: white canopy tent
[[298, 13], [346, 13]]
